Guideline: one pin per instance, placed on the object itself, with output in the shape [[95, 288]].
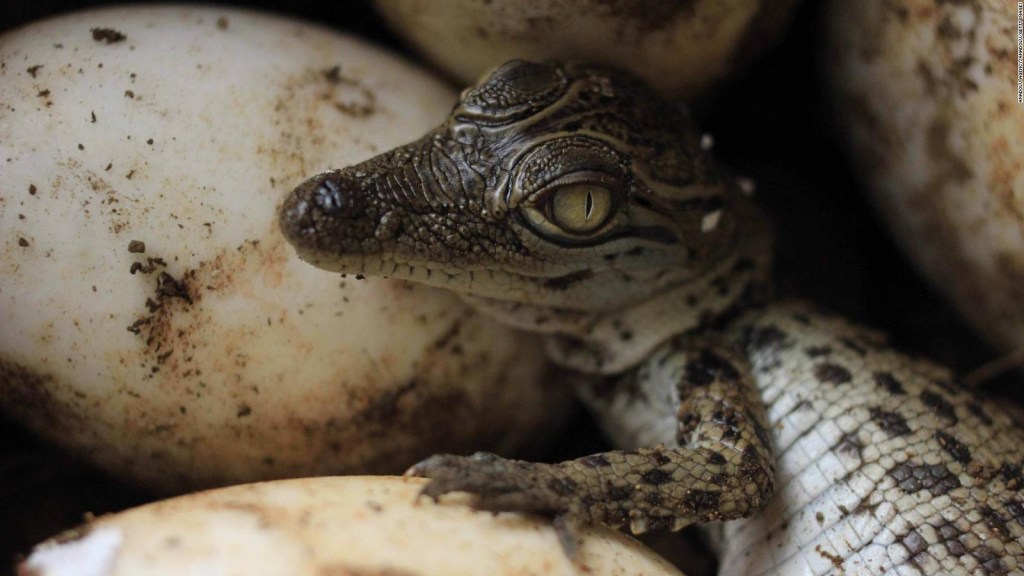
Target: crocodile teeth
[[638, 525], [679, 523]]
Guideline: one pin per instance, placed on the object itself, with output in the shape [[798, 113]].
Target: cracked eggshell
[[680, 47], [153, 319], [927, 94], [344, 525]]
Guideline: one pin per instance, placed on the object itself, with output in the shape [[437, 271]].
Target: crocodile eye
[[580, 208]]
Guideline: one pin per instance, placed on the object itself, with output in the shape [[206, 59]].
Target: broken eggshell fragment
[[152, 318], [343, 525]]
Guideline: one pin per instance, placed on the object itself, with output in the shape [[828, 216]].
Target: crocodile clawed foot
[[498, 484]]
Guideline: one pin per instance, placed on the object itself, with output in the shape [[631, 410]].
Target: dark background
[[772, 123]]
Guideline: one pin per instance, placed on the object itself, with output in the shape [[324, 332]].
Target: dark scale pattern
[[995, 520], [1015, 508], [816, 351], [979, 413], [832, 374], [955, 448], [889, 383], [989, 560], [914, 542], [936, 479], [949, 536], [886, 474], [893, 423], [942, 407], [1013, 474]]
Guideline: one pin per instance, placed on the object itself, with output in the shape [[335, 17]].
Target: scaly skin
[[570, 201]]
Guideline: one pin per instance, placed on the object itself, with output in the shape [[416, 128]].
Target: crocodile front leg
[[719, 468]]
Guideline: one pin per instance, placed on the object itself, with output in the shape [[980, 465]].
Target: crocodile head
[[555, 185]]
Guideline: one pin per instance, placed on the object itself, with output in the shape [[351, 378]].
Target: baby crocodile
[[571, 202]]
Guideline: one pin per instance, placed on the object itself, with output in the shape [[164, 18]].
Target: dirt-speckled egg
[[926, 92], [681, 47], [345, 526], [153, 319]]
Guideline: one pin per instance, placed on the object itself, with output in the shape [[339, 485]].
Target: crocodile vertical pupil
[[581, 208]]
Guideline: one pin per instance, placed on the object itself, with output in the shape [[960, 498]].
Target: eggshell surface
[[153, 319], [927, 94], [341, 525], [680, 47]]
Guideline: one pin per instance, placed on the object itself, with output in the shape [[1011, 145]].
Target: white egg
[[152, 318], [927, 93], [316, 526], [681, 48]]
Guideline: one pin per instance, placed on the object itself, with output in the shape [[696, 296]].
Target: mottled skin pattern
[[886, 464], [571, 202]]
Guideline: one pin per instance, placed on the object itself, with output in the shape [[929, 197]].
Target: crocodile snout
[[318, 207]]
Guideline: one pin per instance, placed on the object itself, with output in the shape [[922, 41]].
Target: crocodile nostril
[[318, 205], [330, 198]]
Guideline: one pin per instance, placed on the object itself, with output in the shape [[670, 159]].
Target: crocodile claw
[[502, 485], [498, 484]]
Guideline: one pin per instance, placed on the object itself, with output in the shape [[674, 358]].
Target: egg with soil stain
[[681, 47], [153, 319], [344, 526], [927, 94]]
